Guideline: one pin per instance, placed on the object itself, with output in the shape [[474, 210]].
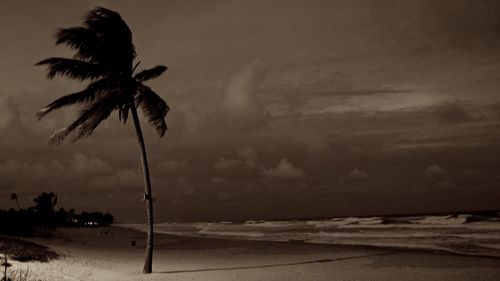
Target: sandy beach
[[107, 254]]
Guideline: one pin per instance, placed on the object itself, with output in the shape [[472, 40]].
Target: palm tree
[[14, 196], [105, 57]]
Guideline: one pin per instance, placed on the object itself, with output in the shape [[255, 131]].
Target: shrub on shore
[[22, 250]]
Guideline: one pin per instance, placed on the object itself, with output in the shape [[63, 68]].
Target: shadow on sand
[[277, 264]]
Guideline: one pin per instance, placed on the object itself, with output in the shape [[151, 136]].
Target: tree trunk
[[148, 196]]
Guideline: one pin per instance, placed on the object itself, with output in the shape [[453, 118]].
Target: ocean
[[466, 234]]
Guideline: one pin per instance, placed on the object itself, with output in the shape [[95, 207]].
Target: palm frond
[[88, 120], [72, 68], [153, 107], [105, 55], [105, 39], [115, 48], [101, 19], [150, 73], [87, 127], [93, 92], [123, 112], [85, 41]]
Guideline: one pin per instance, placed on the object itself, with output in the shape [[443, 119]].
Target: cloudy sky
[[279, 109]]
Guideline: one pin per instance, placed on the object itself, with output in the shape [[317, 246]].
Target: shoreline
[[340, 245], [107, 254]]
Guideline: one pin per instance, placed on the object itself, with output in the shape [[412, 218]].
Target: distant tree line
[[42, 218]]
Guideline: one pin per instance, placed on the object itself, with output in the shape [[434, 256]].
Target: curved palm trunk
[[148, 196], [17, 203]]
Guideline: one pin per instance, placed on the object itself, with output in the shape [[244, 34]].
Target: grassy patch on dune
[[22, 250]]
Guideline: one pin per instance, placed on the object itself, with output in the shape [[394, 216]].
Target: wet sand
[[107, 254]]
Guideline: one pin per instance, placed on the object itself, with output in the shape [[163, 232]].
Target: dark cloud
[[270, 112], [452, 112]]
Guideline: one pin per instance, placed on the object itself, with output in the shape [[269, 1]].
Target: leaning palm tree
[[105, 58], [15, 197]]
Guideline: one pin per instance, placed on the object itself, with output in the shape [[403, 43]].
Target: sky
[[279, 109]]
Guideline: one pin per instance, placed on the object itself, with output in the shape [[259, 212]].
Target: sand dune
[[107, 254]]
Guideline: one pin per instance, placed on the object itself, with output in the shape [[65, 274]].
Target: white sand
[[90, 255]]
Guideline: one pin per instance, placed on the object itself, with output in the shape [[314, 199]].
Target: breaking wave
[[461, 234]]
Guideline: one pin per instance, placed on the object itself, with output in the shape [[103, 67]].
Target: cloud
[[334, 95], [452, 112], [248, 154], [445, 185], [9, 113], [495, 108], [470, 172], [224, 164], [171, 165], [285, 170], [218, 180], [184, 187], [434, 170], [241, 108], [83, 164], [15, 172], [248, 160], [122, 178], [241, 91], [358, 174]]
